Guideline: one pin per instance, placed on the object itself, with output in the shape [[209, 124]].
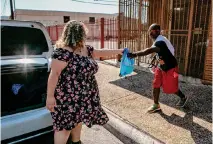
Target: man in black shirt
[[166, 73]]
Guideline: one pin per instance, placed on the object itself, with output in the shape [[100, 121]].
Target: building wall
[[208, 58], [56, 17], [5, 17]]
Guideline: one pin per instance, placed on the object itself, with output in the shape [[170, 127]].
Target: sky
[[62, 5]]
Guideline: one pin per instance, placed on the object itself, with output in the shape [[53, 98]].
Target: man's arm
[[144, 52]]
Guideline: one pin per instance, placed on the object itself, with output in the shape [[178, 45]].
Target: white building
[[58, 17], [5, 17]]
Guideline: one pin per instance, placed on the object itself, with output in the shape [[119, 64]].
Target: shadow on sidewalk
[[199, 134], [200, 97]]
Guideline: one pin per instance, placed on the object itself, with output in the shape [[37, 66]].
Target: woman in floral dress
[[72, 94]]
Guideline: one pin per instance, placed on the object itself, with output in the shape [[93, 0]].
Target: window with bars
[[66, 19], [92, 20]]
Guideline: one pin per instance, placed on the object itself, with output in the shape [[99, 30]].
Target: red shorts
[[168, 80]]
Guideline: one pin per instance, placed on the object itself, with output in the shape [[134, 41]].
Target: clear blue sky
[[62, 5]]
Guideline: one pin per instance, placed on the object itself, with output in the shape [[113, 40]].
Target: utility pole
[[14, 8], [11, 9]]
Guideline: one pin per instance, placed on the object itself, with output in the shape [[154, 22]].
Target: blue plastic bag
[[127, 64]]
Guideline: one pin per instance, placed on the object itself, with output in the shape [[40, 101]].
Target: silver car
[[25, 64]]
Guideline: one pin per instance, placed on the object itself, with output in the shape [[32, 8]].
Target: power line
[[95, 3], [14, 5], [107, 1]]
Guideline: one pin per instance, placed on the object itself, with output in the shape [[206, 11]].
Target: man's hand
[[131, 55]]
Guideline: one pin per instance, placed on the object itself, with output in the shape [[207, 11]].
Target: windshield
[[22, 41]]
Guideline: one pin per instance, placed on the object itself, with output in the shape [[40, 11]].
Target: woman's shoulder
[[62, 50], [62, 54]]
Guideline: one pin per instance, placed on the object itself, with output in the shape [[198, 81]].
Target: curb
[[129, 130]]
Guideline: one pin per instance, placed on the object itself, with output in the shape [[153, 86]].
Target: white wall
[[56, 17]]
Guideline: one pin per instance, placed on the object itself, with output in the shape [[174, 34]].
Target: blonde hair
[[73, 35]]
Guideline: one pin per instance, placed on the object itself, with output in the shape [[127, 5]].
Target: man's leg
[[156, 94], [156, 106], [170, 85], [183, 99], [180, 94], [157, 82]]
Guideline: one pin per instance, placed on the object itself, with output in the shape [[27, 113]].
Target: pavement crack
[[119, 98]]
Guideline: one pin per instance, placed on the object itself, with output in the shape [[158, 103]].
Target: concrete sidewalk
[[129, 98], [98, 135]]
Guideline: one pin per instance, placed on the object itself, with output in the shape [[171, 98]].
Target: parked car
[[25, 64]]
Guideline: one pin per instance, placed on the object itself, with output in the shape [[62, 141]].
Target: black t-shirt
[[165, 55]]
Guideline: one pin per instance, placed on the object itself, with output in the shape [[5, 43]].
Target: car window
[[22, 41]]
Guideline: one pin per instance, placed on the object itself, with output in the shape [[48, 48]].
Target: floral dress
[[76, 93]]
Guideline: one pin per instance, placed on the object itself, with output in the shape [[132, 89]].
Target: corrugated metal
[[208, 58]]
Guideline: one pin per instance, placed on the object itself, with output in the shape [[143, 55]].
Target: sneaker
[[154, 108], [182, 102]]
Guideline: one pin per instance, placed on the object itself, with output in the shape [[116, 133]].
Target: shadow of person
[[200, 96], [199, 134]]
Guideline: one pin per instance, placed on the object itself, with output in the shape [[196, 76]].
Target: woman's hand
[[50, 103]]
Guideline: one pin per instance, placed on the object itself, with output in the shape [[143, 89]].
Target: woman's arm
[[56, 68], [97, 53]]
